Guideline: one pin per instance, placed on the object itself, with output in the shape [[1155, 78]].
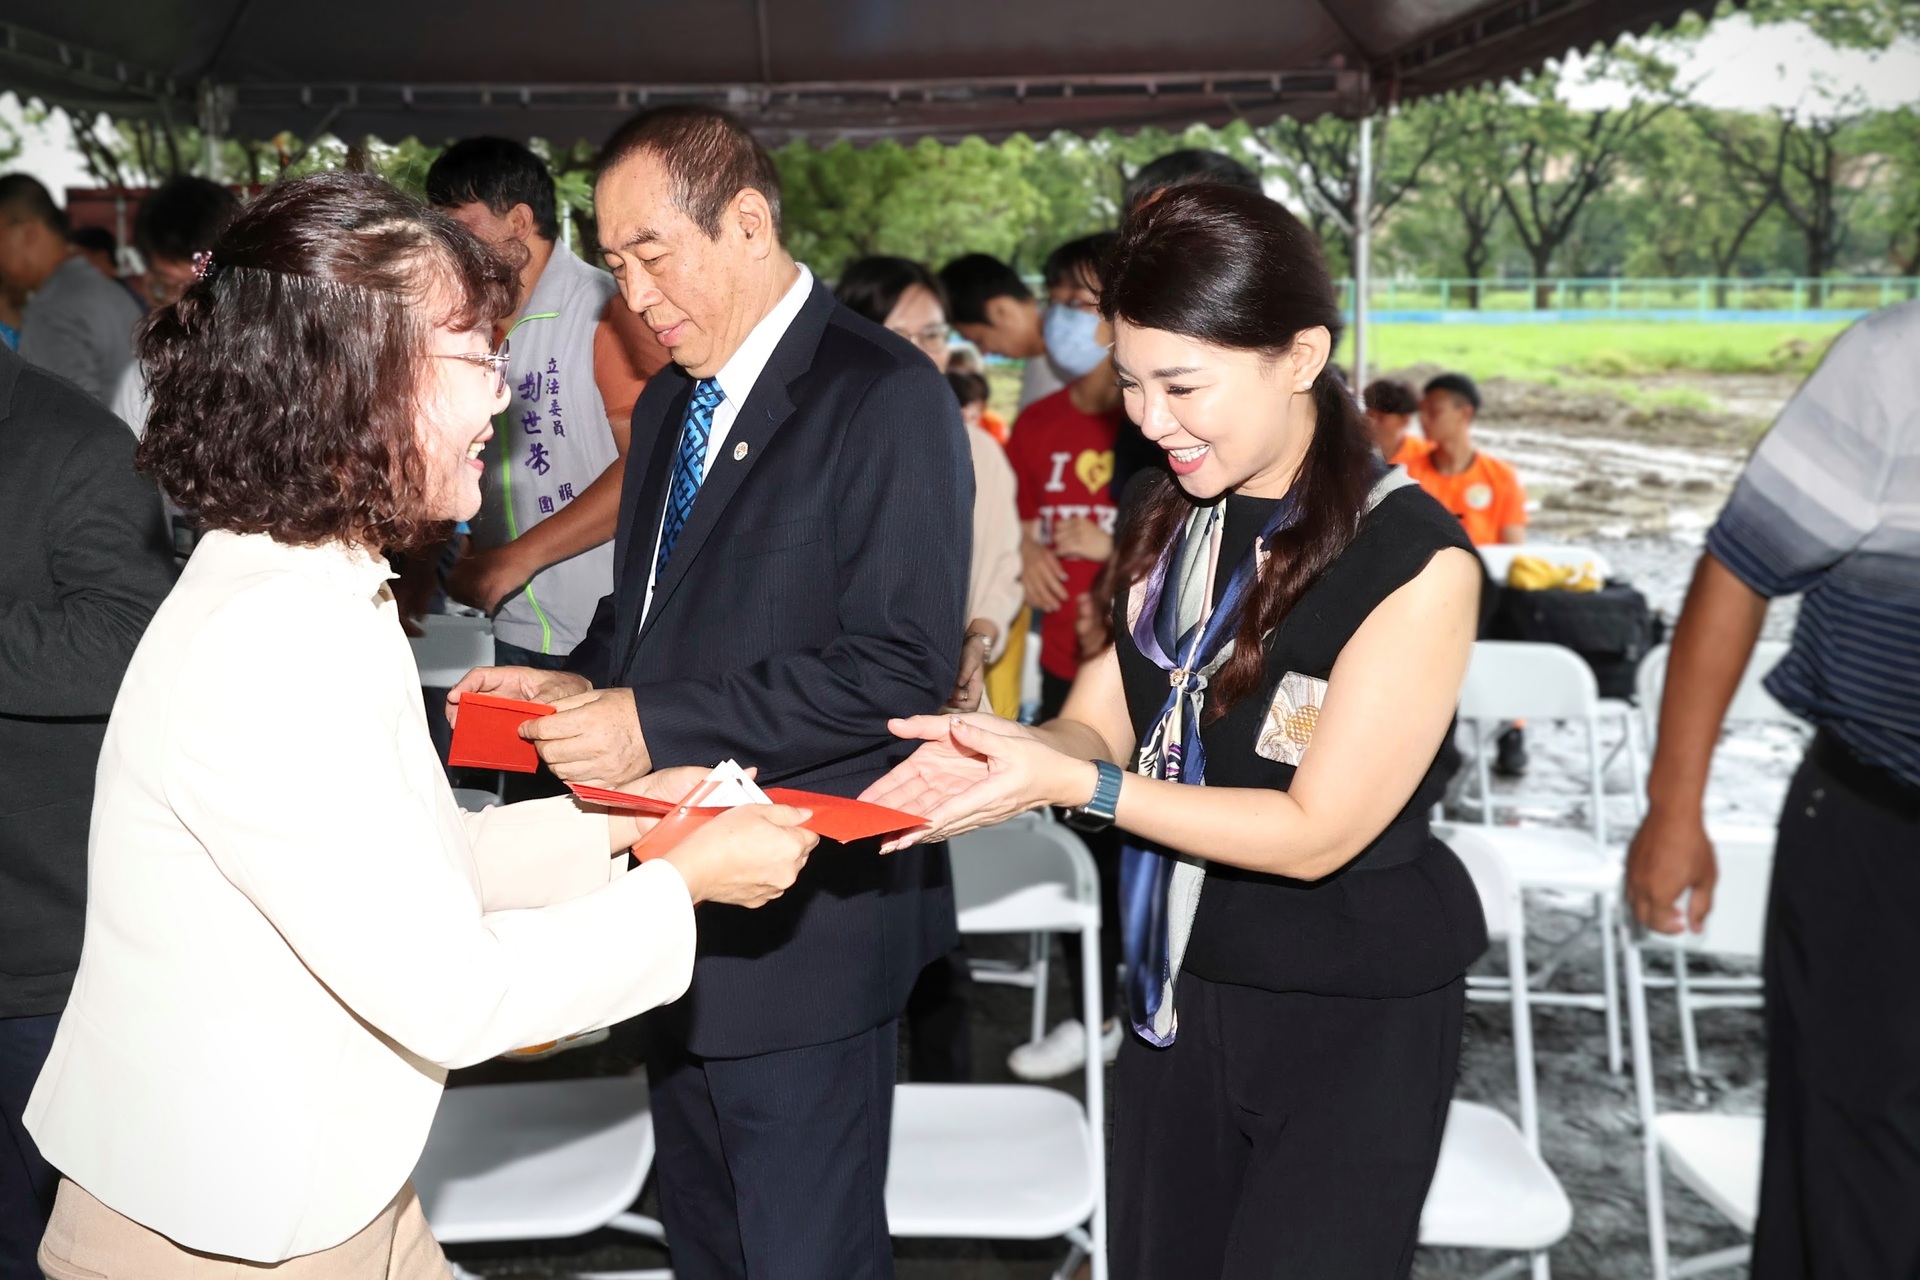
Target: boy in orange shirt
[[1391, 405], [1482, 491]]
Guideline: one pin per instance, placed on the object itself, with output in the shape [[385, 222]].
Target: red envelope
[[834, 817], [486, 734]]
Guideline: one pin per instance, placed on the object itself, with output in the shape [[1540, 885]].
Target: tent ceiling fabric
[[573, 69]]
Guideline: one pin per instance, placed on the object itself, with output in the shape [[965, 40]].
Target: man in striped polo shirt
[[1829, 509], [541, 554]]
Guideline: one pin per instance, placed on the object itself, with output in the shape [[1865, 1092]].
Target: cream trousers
[[88, 1241]]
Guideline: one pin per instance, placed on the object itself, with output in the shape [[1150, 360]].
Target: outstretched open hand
[[973, 771]]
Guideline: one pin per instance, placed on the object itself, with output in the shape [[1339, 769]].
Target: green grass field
[[1555, 353], [1575, 354]]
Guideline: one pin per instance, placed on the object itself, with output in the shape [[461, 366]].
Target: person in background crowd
[[180, 218], [1391, 406], [540, 555], [995, 594], [98, 247], [794, 569], [1484, 492], [1481, 490], [1285, 894], [902, 297], [13, 313], [994, 310], [905, 299], [1828, 509], [87, 563], [1062, 453], [1180, 168], [79, 323], [293, 932], [964, 357]]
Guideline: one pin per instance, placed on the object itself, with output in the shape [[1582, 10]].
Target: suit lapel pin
[[740, 451]]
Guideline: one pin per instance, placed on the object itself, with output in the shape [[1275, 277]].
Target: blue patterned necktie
[[690, 467]]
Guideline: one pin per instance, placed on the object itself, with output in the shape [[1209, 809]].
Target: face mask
[[1069, 335]]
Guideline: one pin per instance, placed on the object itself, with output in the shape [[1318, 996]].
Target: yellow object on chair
[[1531, 573], [1003, 676]]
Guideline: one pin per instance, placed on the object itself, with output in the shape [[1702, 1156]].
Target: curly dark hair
[[284, 382]]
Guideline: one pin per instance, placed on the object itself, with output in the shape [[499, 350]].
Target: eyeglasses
[[934, 335], [495, 360]]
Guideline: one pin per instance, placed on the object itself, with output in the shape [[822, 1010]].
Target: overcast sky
[[1740, 66], [1735, 65]]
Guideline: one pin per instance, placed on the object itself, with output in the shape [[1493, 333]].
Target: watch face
[[1082, 820]]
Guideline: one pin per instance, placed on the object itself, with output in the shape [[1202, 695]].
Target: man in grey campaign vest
[[541, 553]]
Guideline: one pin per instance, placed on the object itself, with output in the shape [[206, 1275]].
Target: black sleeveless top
[[1402, 917]]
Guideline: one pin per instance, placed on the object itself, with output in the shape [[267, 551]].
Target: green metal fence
[[1627, 295]]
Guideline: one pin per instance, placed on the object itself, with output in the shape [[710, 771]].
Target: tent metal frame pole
[[1362, 247], [212, 129]]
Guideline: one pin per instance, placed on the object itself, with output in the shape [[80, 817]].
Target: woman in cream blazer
[[293, 932]]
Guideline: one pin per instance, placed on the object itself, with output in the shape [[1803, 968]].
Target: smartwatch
[[1097, 813]]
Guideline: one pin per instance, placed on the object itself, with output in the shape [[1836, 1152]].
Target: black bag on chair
[[1611, 628]]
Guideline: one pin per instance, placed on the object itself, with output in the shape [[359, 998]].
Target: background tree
[[1561, 158], [1320, 160], [1893, 137]]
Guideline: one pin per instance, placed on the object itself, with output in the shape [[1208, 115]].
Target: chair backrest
[[1026, 875], [1501, 903], [1525, 680], [1737, 924], [1500, 899], [453, 645], [1751, 702], [1500, 556]]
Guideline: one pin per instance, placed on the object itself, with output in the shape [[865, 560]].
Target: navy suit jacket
[[818, 588]]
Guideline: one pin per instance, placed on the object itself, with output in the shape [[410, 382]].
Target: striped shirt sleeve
[[1816, 483]]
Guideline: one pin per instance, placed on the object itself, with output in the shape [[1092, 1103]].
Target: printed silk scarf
[[1159, 891]]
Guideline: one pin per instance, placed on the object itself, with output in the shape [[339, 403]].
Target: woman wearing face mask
[[293, 932], [1295, 935]]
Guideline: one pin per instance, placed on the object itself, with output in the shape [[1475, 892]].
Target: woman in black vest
[[1291, 628]]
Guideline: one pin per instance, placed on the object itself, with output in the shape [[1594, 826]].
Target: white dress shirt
[[737, 378], [292, 929]]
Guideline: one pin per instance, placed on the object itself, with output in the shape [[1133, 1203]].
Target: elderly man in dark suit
[[87, 563], [791, 571]]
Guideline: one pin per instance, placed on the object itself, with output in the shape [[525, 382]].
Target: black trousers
[[27, 1182], [939, 1039], [775, 1166], [1840, 1180], [1282, 1136]]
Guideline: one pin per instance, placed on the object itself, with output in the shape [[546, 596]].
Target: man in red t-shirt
[[1062, 455]]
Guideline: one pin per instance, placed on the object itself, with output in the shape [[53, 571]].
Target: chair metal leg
[[1636, 780], [1609, 982], [1683, 1001], [1041, 949], [1643, 1098], [1096, 1085]]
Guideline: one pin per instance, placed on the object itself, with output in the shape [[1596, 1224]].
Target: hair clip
[[202, 263]]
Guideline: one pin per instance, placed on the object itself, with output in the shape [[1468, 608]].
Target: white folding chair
[[1034, 974], [454, 644], [1751, 704], [1012, 1162], [544, 1160], [1519, 680], [1715, 1156], [1491, 1189]]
